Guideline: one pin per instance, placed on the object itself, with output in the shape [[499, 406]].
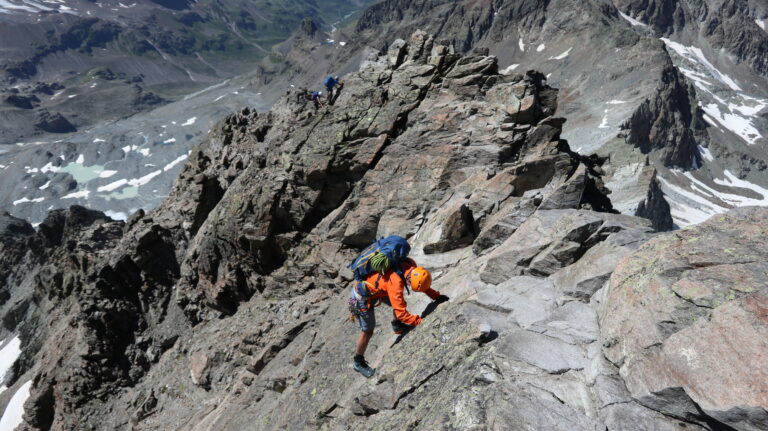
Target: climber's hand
[[442, 298]]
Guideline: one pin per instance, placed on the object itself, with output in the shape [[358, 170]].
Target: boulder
[[546, 241], [22, 101], [53, 123], [582, 279], [451, 228]]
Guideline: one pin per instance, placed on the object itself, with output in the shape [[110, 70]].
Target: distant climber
[[331, 82], [385, 282], [315, 98]]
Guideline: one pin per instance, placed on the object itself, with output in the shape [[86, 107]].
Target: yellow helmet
[[419, 278]]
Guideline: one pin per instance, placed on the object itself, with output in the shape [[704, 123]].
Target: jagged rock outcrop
[[655, 208], [670, 124], [223, 308], [15, 234]]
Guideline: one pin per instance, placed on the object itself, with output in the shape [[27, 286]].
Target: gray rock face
[[224, 307], [683, 330]]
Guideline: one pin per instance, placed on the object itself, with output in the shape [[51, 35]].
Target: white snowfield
[[697, 56], [8, 355], [189, 122], [739, 124], [14, 411], [697, 202]]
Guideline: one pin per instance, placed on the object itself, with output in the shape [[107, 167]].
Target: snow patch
[[563, 55], [541, 47], [80, 159], [116, 215], [706, 154], [106, 174], [135, 182], [144, 180], [112, 186], [14, 411], [45, 186], [169, 141], [144, 152], [604, 122], [507, 70], [521, 44], [615, 102], [175, 162], [97, 140], [81, 194], [632, 21], [24, 200], [190, 121], [760, 23]]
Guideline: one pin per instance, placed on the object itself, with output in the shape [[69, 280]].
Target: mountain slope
[[77, 58], [224, 307]]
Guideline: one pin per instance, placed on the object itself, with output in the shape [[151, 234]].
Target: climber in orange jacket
[[388, 288]]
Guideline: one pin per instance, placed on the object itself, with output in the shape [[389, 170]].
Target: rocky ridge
[[223, 308], [671, 93]]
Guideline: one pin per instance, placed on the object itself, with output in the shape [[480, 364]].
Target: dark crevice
[[417, 386]]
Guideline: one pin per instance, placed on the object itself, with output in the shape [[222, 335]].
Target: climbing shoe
[[362, 367]]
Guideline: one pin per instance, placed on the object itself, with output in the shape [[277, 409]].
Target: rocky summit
[[225, 308]]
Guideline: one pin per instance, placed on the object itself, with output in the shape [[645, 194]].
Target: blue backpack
[[394, 247], [329, 82]]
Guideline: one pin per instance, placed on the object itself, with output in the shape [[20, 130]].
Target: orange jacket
[[390, 285]]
